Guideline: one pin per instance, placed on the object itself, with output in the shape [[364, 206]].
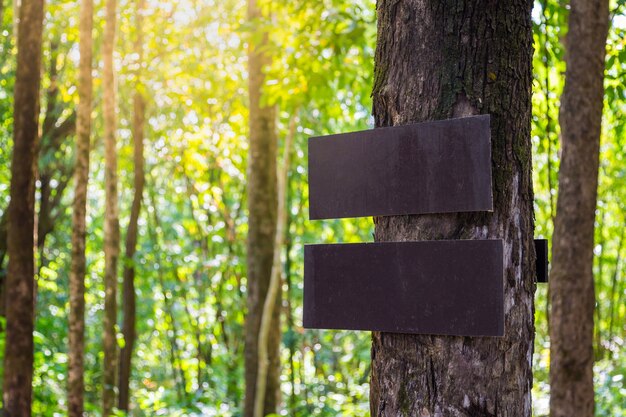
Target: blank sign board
[[429, 287], [432, 167]]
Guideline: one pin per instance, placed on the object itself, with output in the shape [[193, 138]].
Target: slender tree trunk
[[262, 206], [76, 369], [439, 60], [274, 289], [20, 279], [571, 279], [111, 221], [128, 296]]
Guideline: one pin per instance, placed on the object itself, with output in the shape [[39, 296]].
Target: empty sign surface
[[429, 287], [432, 167]]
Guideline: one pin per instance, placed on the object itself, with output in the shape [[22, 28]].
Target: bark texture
[[75, 382], [439, 60], [111, 221], [262, 207], [572, 294], [20, 280], [128, 292]]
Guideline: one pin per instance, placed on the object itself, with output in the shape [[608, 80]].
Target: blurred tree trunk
[[571, 279], [262, 206], [20, 280], [439, 60], [111, 221], [276, 277], [128, 295], [75, 383]]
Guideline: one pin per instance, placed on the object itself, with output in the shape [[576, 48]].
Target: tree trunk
[[76, 370], [571, 279], [269, 306], [111, 222], [262, 206], [128, 295], [20, 279], [439, 60]]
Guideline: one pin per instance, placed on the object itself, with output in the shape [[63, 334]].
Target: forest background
[[190, 261]]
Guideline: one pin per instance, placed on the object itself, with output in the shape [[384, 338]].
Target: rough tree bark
[[20, 279], [75, 380], [572, 294], [439, 60], [128, 293], [111, 221], [262, 206]]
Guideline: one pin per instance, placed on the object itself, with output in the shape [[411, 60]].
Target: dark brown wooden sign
[[432, 167], [431, 287]]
